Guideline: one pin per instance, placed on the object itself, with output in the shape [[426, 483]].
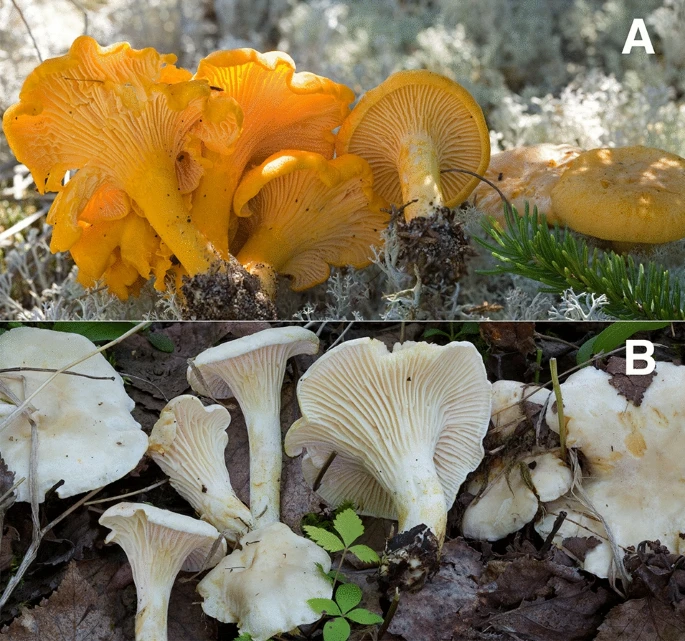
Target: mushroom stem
[[153, 605], [267, 272], [419, 172], [158, 197], [420, 499], [266, 460]]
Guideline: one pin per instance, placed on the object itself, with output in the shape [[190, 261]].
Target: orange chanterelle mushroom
[[304, 213], [282, 110], [413, 127], [133, 125]]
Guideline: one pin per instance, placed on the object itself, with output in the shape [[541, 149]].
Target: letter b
[[645, 356]]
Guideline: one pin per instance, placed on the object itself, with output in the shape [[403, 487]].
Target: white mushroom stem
[[266, 460], [419, 173], [419, 498]]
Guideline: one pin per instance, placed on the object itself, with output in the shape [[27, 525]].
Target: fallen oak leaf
[[645, 619], [71, 613], [632, 387]]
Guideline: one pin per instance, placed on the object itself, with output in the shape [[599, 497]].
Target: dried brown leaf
[[633, 387], [642, 620]]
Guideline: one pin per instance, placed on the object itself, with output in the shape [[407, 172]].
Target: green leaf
[[95, 331], [365, 554], [161, 342], [434, 331], [614, 336], [327, 540], [324, 606], [347, 596], [349, 526], [336, 630], [341, 578], [244, 637], [360, 615]]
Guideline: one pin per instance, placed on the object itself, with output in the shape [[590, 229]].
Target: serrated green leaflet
[[348, 596], [365, 554], [327, 606], [364, 617], [349, 526], [327, 540], [614, 336], [336, 630]]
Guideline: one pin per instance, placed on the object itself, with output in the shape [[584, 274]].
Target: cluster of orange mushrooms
[[161, 173]]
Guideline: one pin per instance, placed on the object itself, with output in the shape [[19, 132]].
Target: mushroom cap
[[282, 109], [147, 532], [307, 213], [377, 408], [264, 587], [86, 434], [188, 443], [418, 102], [508, 411], [634, 473], [125, 117], [628, 194], [228, 369], [507, 503], [524, 174]]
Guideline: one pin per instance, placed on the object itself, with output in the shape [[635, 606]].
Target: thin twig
[[124, 496], [21, 408], [11, 490], [52, 370], [337, 340], [323, 470], [28, 29]]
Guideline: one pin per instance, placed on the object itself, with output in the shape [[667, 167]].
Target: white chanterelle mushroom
[[188, 443], [159, 544], [264, 586], [634, 470], [86, 434], [407, 427], [508, 406], [251, 369], [512, 497]]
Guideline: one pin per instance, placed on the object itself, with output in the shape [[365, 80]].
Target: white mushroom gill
[[407, 427]]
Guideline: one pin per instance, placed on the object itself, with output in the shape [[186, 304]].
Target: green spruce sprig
[[559, 260]]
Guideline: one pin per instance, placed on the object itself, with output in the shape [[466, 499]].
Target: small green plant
[[559, 260], [612, 337], [347, 527], [455, 331], [343, 610]]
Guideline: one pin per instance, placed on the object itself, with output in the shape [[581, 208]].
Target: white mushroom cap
[[508, 503], [507, 405], [86, 434], [407, 427], [188, 443], [158, 544], [264, 587], [251, 368], [635, 470]]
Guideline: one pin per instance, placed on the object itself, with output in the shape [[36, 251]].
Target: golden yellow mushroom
[[281, 109], [410, 128], [127, 120], [305, 213]]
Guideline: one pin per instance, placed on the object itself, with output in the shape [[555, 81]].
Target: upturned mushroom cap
[[410, 128], [305, 213], [251, 369], [508, 405], [407, 427], [126, 117], [507, 502], [264, 587], [634, 473], [524, 174], [282, 110], [627, 194], [188, 443], [86, 434], [158, 544]]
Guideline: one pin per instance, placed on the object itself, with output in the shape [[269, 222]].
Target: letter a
[[638, 27]]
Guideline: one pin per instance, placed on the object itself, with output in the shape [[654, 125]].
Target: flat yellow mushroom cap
[[282, 109], [123, 118], [410, 128], [629, 194], [305, 213], [524, 174]]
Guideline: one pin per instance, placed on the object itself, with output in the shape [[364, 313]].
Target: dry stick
[[52, 370], [124, 496], [32, 551], [21, 408], [337, 340], [28, 29], [323, 470]]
